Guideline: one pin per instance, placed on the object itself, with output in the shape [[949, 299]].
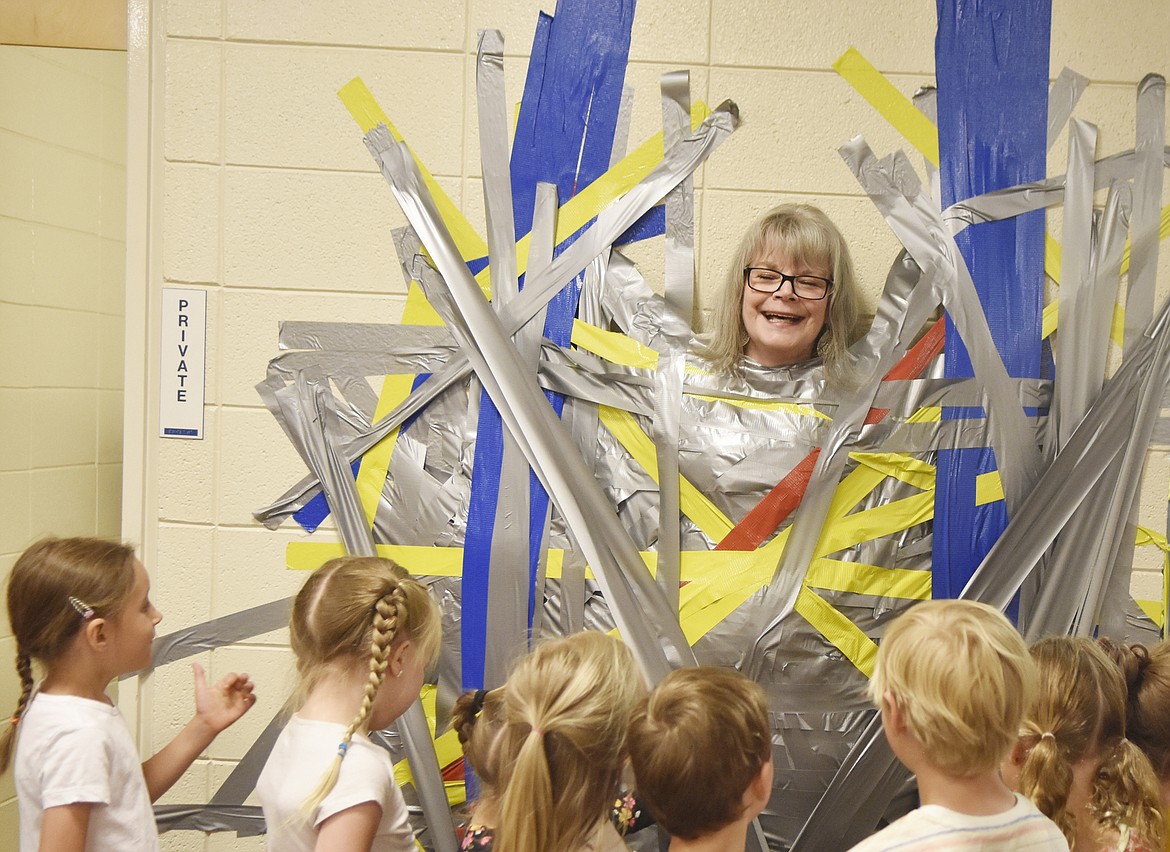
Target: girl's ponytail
[[1126, 793], [526, 809], [8, 738], [1046, 779]]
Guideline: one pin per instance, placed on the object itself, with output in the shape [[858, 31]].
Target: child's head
[[960, 676], [1147, 680], [56, 588], [1072, 755], [364, 612], [562, 743], [476, 719], [697, 745]]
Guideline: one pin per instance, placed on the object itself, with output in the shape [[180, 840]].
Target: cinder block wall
[[268, 199], [62, 290]]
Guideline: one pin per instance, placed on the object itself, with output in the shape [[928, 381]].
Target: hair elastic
[[1048, 735], [14, 720], [342, 748], [83, 609], [477, 702]]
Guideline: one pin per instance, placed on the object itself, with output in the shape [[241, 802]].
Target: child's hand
[[222, 704]]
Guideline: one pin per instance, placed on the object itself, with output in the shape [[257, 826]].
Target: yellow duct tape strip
[[895, 107], [694, 504], [368, 115], [900, 466], [376, 461], [834, 626], [988, 488], [740, 574], [859, 578], [1157, 610], [876, 522], [418, 310], [613, 346], [420, 560]]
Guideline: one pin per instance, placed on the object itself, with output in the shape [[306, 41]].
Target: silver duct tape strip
[[633, 306], [1072, 396], [383, 337], [642, 614], [529, 342], [218, 632], [926, 100], [903, 397], [508, 584], [1063, 95], [1147, 203], [244, 820], [1012, 201], [677, 163], [241, 781], [363, 362], [894, 189], [1104, 433], [679, 301]]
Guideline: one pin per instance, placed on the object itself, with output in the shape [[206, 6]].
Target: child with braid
[[81, 608], [1073, 758], [362, 631]]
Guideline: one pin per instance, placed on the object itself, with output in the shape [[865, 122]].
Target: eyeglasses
[[765, 280]]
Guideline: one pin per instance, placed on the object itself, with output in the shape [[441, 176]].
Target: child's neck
[[732, 836], [982, 794], [336, 695], [78, 673]]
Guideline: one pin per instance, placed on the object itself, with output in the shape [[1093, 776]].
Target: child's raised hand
[[221, 704]]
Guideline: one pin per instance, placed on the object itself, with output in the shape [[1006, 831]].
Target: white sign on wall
[[183, 362]]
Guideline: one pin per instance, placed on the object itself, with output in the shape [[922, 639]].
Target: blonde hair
[[960, 674], [476, 719], [806, 235], [52, 585], [1079, 712], [562, 743], [695, 745], [358, 607], [1147, 680]]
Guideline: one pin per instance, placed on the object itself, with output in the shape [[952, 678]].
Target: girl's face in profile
[[782, 327], [132, 628]]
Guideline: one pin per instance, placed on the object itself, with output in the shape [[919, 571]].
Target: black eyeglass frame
[[791, 279]]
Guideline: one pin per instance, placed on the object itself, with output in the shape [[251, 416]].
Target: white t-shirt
[[1022, 828], [70, 750], [299, 759]]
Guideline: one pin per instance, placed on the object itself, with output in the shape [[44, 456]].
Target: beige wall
[[62, 290], [259, 190]]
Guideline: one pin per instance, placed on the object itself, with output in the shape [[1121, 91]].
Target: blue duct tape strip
[[317, 510], [652, 224], [564, 135], [991, 60]]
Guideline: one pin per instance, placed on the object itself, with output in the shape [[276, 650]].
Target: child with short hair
[[363, 631], [81, 608], [701, 750], [953, 680], [1073, 757]]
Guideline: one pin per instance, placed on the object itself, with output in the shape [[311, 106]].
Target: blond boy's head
[[961, 678], [699, 746]]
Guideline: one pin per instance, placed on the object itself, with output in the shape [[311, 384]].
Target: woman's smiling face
[[783, 328]]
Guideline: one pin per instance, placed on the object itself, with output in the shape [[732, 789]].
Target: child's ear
[[1018, 754], [759, 791], [399, 658], [892, 713], [95, 632]]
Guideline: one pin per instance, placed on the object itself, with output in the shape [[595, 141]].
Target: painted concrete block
[[109, 500], [257, 463], [271, 121], [1118, 41], [202, 18], [428, 26], [15, 532], [63, 426], [190, 496], [191, 223], [183, 575], [63, 501], [194, 83], [15, 428]]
